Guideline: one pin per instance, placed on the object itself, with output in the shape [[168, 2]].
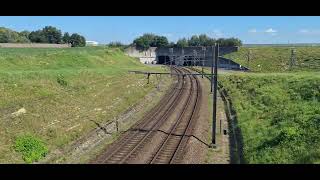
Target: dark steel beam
[[214, 107]]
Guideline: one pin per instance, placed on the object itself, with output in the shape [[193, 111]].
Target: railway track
[[171, 146]]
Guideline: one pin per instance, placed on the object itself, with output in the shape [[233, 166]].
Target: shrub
[[31, 148], [61, 80]]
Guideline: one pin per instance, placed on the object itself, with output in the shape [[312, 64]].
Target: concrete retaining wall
[[145, 56], [153, 53]]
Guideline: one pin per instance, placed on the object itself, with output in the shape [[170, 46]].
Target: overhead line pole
[[213, 54], [204, 56], [214, 110], [171, 52]]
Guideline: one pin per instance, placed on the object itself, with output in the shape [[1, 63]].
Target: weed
[[279, 117], [31, 148], [61, 80]]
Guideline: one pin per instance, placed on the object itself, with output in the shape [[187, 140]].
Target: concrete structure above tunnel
[[184, 56]]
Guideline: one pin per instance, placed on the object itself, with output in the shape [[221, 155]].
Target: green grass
[[64, 92], [278, 114], [276, 59], [31, 148], [278, 108]]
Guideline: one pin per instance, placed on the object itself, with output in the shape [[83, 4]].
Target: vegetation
[[31, 148], [9, 36], [117, 45], [277, 59], [278, 108], [77, 41], [278, 115], [66, 38], [150, 40], [48, 34], [204, 40], [65, 93]]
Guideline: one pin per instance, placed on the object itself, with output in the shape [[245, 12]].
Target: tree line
[[48, 34], [151, 40]]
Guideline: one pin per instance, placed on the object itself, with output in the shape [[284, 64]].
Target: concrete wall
[[189, 51], [33, 45], [185, 56], [145, 56]]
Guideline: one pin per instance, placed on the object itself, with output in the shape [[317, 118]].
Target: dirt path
[[200, 151]]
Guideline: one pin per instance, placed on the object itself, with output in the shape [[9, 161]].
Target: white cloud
[[270, 30], [252, 31]]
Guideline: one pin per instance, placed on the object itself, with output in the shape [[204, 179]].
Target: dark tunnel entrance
[[186, 60], [164, 60]]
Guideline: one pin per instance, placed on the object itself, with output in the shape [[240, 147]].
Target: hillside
[[278, 115], [58, 95], [276, 59]]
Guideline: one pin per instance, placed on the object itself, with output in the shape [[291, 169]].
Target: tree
[[194, 41], [204, 40], [10, 36], [229, 42], [23, 37], [37, 37], [160, 41], [150, 40], [25, 34], [211, 42], [171, 45], [66, 38], [182, 42], [52, 34], [4, 35], [145, 41], [77, 41]]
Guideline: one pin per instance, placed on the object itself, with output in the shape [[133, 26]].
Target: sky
[[250, 29]]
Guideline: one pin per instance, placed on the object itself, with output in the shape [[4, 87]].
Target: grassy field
[[278, 114], [276, 59], [61, 95]]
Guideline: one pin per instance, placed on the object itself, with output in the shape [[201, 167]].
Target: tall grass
[[277, 59], [63, 91], [279, 115]]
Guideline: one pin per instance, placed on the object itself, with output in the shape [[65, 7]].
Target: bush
[[61, 80], [31, 148]]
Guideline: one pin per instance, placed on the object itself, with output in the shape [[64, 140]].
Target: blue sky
[[250, 29]]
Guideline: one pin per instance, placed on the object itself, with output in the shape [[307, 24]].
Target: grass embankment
[[62, 94], [277, 59], [278, 114], [278, 110]]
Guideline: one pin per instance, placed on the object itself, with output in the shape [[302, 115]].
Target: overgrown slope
[[63, 93], [277, 59], [278, 114]]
